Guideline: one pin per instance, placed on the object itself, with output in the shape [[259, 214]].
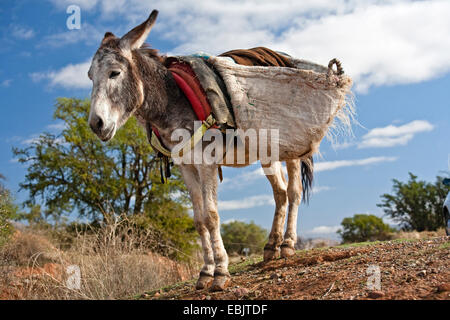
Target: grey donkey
[[129, 79]]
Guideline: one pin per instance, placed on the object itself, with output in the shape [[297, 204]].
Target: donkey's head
[[117, 88]]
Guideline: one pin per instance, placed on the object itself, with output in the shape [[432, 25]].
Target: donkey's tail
[[307, 169]]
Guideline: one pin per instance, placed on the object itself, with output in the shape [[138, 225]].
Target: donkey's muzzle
[[98, 126]]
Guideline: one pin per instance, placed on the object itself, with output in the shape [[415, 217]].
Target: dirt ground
[[408, 269]]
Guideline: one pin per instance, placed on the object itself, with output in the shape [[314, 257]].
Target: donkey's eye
[[114, 74]]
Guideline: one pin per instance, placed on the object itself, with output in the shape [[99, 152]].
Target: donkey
[[129, 79]]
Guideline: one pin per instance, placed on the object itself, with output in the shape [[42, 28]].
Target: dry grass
[[415, 235], [26, 246], [112, 261]]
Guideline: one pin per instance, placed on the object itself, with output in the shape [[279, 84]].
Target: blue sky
[[396, 51]]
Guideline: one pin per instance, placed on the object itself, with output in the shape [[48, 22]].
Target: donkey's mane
[[112, 42], [148, 51]]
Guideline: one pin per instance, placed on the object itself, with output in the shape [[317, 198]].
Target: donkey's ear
[[108, 36], [136, 37]]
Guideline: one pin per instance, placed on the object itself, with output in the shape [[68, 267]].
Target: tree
[[8, 211], [75, 170], [416, 205], [364, 227], [238, 235]]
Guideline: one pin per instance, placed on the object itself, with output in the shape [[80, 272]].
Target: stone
[[240, 292], [422, 273], [444, 287], [375, 294]]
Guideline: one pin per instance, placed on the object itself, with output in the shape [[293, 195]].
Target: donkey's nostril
[[99, 124], [96, 124]]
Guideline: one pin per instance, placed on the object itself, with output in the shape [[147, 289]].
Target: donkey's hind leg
[[192, 181], [294, 191], [278, 181]]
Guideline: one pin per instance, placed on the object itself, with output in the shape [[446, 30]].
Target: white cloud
[[245, 178], [380, 42], [57, 126], [25, 54], [88, 34], [343, 145], [232, 220], [34, 138], [389, 131], [324, 230], [255, 201], [83, 4], [332, 165], [72, 76], [246, 203], [6, 83], [317, 189], [394, 135], [248, 177], [22, 32]]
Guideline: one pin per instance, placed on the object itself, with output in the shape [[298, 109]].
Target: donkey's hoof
[[220, 282], [270, 254], [204, 281], [287, 251]]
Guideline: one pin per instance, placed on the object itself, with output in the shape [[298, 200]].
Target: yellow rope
[[188, 145]]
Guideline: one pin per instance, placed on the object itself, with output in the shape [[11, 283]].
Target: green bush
[[415, 204], [364, 227], [5, 229], [8, 211], [238, 235]]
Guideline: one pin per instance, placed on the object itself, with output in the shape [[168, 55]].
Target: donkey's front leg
[[208, 180], [192, 181]]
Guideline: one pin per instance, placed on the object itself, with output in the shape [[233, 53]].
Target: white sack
[[301, 103]]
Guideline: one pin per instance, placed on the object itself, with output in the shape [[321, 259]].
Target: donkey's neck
[[165, 106]]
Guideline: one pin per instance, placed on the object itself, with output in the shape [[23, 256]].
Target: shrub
[[238, 235], [169, 233], [27, 246], [364, 227], [8, 211], [416, 205]]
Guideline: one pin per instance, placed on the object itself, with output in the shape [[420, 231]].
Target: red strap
[[193, 99], [191, 80], [189, 84]]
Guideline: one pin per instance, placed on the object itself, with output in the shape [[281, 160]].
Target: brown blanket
[[258, 56]]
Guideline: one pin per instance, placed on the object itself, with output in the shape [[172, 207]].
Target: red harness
[[188, 82]]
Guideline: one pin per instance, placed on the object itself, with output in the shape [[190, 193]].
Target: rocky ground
[[408, 269]]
